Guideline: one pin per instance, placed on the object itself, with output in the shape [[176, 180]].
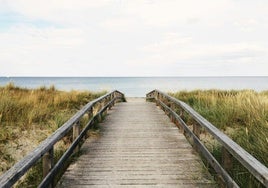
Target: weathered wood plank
[[138, 146]]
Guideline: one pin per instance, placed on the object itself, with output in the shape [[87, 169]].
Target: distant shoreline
[[139, 86]]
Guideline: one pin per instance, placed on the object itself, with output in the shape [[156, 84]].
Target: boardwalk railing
[[95, 109], [176, 109]]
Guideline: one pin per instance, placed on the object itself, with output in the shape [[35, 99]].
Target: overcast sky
[[133, 38]]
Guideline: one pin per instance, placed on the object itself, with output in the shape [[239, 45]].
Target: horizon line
[[131, 76]]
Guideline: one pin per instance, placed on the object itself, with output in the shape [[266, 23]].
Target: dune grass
[[242, 115], [28, 116]]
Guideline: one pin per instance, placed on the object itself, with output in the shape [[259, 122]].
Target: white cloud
[[28, 37], [121, 24], [174, 12], [247, 25], [30, 47], [59, 11], [174, 48], [169, 41], [141, 37], [184, 56], [46, 8]]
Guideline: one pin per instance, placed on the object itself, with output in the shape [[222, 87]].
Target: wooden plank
[[138, 146]]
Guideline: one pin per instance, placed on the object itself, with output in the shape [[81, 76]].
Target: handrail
[[45, 149], [256, 168]]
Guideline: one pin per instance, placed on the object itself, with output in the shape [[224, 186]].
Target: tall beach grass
[[28, 116], [242, 115]]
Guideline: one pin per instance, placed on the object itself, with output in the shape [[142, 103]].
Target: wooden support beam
[[157, 98], [48, 162], [110, 99], [76, 132], [227, 160], [99, 117], [196, 131], [90, 113]]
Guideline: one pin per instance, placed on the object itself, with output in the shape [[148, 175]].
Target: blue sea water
[[139, 86]]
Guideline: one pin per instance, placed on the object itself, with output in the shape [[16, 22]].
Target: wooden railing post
[[99, 118], [156, 98], [227, 159], [172, 116], [182, 116], [48, 162], [166, 103], [196, 131], [90, 113], [159, 98], [110, 99], [114, 96], [103, 104], [177, 123], [106, 102], [162, 100], [76, 132]]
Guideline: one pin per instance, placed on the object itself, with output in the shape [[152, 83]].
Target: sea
[[139, 86]]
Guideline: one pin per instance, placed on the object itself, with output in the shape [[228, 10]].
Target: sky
[[133, 38]]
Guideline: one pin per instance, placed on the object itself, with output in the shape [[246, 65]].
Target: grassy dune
[[28, 116], [242, 115]]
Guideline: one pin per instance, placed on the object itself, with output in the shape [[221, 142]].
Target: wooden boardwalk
[[138, 147]]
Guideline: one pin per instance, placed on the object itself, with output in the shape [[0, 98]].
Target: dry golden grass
[[28, 116]]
